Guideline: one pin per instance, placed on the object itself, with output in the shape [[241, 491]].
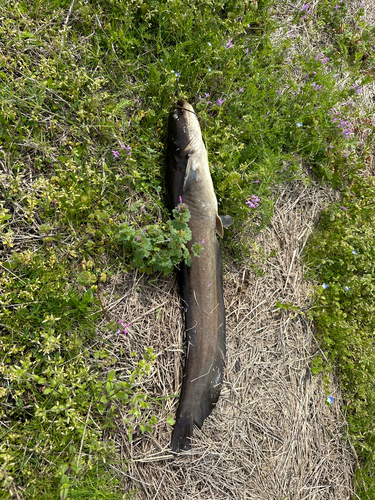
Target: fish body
[[201, 286]]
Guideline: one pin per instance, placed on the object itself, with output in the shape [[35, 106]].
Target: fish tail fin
[[182, 433]]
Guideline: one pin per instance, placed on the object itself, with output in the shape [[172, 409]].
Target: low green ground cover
[[85, 91]]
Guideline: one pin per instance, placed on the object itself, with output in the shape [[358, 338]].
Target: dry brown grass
[[272, 435]]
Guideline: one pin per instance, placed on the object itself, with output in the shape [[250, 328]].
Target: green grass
[[77, 84]]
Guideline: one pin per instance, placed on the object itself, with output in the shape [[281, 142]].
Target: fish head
[[183, 128]]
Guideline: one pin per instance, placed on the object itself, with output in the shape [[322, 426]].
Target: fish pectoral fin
[[226, 220], [219, 227], [191, 173]]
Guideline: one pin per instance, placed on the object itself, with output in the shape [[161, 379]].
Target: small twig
[[157, 491], [70, 11], [83, 436], [101, 304], [290, 267], [248, 314], [9, 271]]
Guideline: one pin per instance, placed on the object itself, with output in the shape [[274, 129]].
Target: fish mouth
[[182, 109], [184, 106], [183, 125]]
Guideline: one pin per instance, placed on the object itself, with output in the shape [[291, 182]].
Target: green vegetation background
[[85, 91]]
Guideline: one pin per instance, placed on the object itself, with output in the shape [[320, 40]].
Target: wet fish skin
[[201, 288]]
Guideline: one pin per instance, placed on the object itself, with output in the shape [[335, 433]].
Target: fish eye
[[175, 114]]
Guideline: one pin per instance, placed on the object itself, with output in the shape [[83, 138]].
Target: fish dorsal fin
[[219, 227], [191, 172]]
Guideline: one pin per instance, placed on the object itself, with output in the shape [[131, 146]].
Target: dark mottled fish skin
[[201, 287]]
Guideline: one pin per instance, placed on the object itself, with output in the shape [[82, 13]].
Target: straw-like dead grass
[[272, 435]]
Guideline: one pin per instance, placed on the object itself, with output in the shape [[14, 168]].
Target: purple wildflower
[[202, 242], [229, 44], [318, 56], [267, 113], [253, 202], [336, 7], [305, 7], [116, 154], [247, 52], [210, 283], [127, 148], [220, 101]]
